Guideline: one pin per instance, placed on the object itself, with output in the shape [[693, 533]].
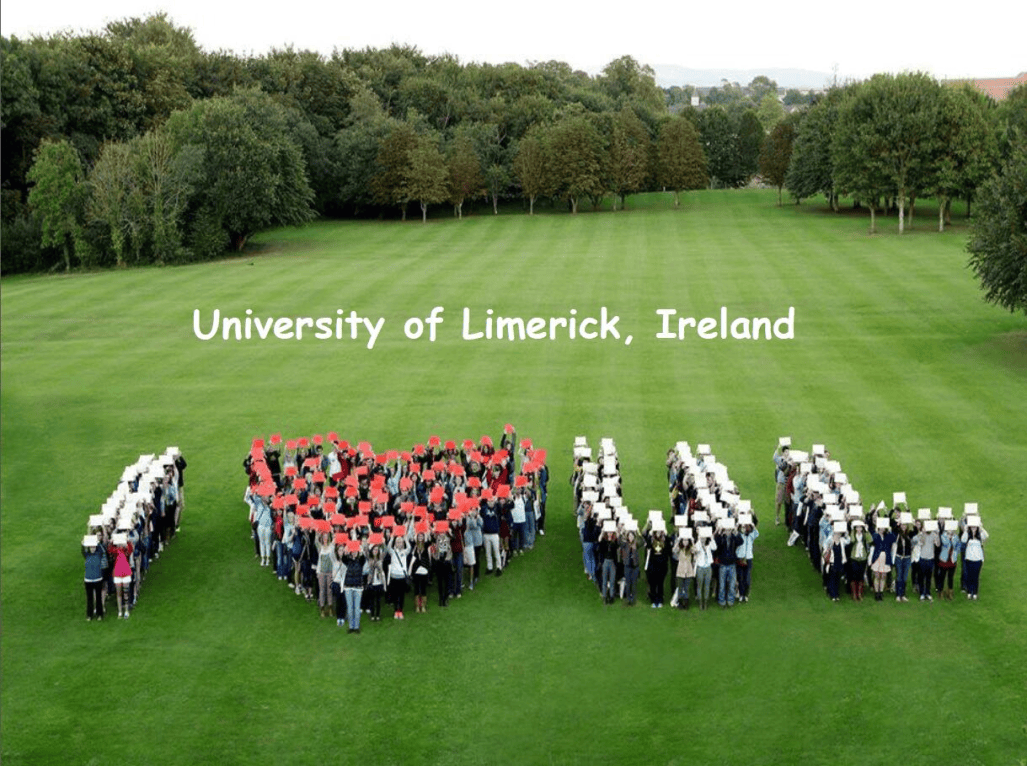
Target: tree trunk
[[623, 202], [238, 241], [873, 218], [574, 205], [403, 211], [424, 212], [460, 210], [677, 202], [67, 256], [948, 211], [902, 211], [495, 204], [531, 205], [941, 214]]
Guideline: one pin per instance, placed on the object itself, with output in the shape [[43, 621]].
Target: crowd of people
[[355, 529], [884, 547], [134, 524], [709, 553]]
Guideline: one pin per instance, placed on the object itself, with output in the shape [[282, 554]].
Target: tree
[[776, 155], [628, 82], [811, 170], [253, 170], [110, 187], [58, 195], [967, 150], [892, 121], [720, 143], [426, 174], [529, 167], [680, 163], [770, 112], [390, 182], [998, 234], [574, 157], [464, 168], [628, 154], [750, 141]]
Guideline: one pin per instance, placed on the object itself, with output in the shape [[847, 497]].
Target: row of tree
[[892, 139], [134, 146]]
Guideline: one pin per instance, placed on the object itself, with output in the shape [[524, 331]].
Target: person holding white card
[[948, 557], [928, 539], [973, 540]]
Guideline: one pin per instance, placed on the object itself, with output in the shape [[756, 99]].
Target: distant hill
[[669, 74]]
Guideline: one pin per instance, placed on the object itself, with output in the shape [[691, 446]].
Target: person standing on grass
[[656, 562], [490, 531], [353, 583], [325, 570], [705, 549], [834, 562], [589, 540], [420, 570], [948, 557], [608, 550], [744, 556], [121, 551], [457, 544], [262, 519], [442, 565], [860, 544], [685, 570], [728, 542], [95, 556], [374, 575], [781, 477], [902, 557], [338, 584], [630, 561], [883, 543], [472, 544], [928, 539], [397, 567], [973, 539]]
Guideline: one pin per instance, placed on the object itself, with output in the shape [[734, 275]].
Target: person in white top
[[973, 554], [704, 549]]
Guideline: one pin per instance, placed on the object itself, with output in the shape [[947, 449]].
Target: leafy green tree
[[892, 121], [750, 141], [427, 178], [811, 170], [776, 155], [770, 112], [760, 87], [254, 175], [58, 195], [628, 82], [574, 158], [967, 149], [628, 155], [529, 167], [680, 163], [998, 234], [390, 182], [464, 169], [719, 137], [111, 185]]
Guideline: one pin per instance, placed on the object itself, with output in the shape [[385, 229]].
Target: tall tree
[[750, 141], [998, 234], [628, 156], [390, 182], [811, 170], [680, 163], [574, 157], [254, 176], [719, 136], [892, 120], [111, 184], [530, 166], [776, 155], [464, 168], [58, 195], [426, 174]]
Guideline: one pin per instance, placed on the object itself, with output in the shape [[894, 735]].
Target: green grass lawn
[[897, 365]]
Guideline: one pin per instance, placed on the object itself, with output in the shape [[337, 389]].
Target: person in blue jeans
[[589, 539], [609, 547], [727, 546], [353, 583]]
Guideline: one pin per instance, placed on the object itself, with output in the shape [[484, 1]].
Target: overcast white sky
[[983, 38]]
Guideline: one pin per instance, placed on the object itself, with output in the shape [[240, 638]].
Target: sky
[[982, 39]]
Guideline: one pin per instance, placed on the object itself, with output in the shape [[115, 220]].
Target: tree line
[[134, 146]]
